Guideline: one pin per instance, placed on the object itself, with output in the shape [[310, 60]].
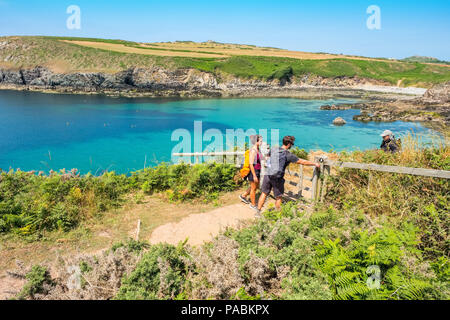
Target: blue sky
[[407, 27]]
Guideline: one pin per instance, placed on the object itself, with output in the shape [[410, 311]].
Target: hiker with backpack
[[251, 170], [280, 158], [389, 143]]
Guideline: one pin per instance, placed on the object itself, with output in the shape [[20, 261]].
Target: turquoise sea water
[[96, 133]]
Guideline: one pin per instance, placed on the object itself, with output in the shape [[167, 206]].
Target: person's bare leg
[[278, 203], [246, 193], [254, 186], [262, 199]]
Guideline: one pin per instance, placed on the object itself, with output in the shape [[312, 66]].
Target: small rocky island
[[339, 121]]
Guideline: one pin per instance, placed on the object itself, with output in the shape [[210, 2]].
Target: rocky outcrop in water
[[339, 121], [343, 106], [335, 107]]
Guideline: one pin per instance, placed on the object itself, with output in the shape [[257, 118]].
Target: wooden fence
[[318, 180]]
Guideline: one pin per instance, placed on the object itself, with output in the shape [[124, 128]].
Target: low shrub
[[31, 204], [301, 153], [160, 274], [38, 282]]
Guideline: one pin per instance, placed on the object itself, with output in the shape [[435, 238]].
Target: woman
[[255, 170]]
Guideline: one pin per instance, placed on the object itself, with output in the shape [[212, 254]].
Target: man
[[389, 144], [280, 158]]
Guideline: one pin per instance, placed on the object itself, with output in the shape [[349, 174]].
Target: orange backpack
[[245, 170]]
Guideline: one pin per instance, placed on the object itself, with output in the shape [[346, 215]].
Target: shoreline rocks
[[336, 107], [432, 109], [185, 82]]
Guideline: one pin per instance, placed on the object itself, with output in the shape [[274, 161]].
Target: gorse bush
[[161, 273], [30, 203], [301, 153], [38, 282]]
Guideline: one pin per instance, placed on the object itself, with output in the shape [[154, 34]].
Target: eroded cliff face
[[138, 79], [157, 81]]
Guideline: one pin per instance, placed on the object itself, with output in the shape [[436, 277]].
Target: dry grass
[[126, 49], [246, 50], [380, 192], [205, 50]]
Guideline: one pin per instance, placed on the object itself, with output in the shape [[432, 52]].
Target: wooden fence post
[[300, 185], [314, 184], [314, 181], [323, 163], [326, 173], [263, 172]]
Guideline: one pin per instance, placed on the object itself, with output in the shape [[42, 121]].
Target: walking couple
[[279, 159]]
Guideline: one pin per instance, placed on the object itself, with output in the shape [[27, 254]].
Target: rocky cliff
[[157, 81], [137, 79]]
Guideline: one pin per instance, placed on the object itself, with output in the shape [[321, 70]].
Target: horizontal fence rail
[[392, 169], [318, 188], [225, 154], [208, 154]]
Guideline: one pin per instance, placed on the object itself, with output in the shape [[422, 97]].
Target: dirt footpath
[[202, 227]]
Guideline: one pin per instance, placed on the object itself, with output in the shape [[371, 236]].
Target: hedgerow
[[31, 204]]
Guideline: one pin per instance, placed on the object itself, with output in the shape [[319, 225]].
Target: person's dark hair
[[288, 140]]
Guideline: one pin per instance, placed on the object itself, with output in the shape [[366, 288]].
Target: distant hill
[[69, 55], [423, 59]]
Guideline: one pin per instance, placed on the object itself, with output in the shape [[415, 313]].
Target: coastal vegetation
[[375, 236], [31, 204], [67, 55]]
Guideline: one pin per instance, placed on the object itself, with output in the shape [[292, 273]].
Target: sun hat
[[387, 133]]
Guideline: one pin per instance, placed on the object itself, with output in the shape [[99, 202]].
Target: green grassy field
[[62, 56]]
